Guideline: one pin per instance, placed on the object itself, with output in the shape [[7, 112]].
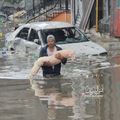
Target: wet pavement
[[88, 90]]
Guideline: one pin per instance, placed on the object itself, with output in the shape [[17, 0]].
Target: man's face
[[51, 43]]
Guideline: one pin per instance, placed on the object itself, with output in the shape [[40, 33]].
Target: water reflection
[[74, 96], [56, 95], [112, 91], [89, 89]]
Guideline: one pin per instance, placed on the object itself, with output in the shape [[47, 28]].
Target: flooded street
[[88, 90]]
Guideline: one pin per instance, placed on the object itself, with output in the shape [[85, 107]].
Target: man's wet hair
[[51, 37]]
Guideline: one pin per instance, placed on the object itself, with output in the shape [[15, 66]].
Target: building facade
[[102, 14]]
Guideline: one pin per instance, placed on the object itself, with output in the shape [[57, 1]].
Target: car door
[[27, 40], [20, 42], [34, 42]]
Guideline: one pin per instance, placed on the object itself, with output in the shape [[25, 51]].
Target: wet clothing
[[51, 52], [51, 70]]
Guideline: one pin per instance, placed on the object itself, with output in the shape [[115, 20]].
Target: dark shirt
[[51, 70]]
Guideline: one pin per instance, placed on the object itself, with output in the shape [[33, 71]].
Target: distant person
[[48, 50]]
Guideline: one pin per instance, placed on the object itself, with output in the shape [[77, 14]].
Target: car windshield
[[65, 35]]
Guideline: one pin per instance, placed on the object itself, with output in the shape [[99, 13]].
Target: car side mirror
[[36, 41], [17, 40]]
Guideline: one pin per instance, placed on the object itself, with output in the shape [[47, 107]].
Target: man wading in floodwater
[[48, 50]]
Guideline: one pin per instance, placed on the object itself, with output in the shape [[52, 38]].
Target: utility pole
[[106, 9], [73, 12], [44, 4], [66, 5], [97, 15], [60, 4], [33, 8]]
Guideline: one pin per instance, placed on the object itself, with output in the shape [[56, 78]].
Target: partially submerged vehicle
[[32, 36]]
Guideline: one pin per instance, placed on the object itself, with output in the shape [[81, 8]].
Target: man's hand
[[47, 63], [59, 56]]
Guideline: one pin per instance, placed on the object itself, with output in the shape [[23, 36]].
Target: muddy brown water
[[82, 93]]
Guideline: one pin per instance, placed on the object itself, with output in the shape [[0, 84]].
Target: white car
[[32, 36]]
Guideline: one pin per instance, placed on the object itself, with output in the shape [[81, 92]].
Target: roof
[[48, 25]]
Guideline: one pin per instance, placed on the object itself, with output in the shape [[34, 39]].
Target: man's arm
[[63, 60], [42, 54], [60, 57]]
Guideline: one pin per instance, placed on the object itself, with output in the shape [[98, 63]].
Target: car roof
[[47, 25]]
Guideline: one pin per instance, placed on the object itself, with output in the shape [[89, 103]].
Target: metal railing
[[49, 10], [44, 11]]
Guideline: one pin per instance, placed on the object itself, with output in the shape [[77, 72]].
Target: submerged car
[[32, 36]]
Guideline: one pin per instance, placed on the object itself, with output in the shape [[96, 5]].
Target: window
[[33, 36], [65, 35], [58, 33], [23, 33]]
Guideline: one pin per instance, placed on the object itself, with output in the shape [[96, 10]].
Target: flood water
[[89, 89]]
